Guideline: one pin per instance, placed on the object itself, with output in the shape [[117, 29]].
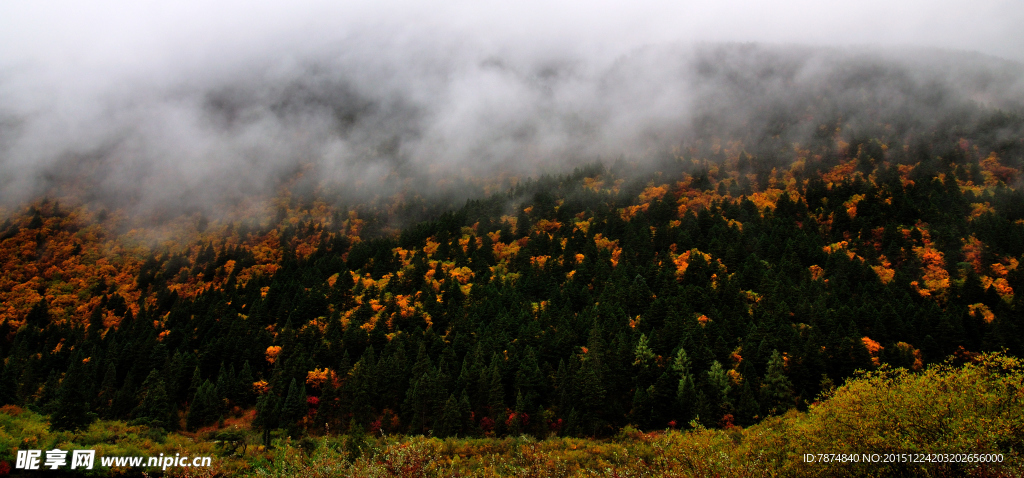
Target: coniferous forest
[[724, 305]]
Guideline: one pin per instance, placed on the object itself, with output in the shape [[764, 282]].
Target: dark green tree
[[155, 407], [776, 389], [71, 407], [268, 415], [205, 408]]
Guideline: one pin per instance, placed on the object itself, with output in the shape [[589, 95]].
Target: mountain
[[744, 270]]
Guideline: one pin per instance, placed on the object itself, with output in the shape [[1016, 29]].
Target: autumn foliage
[[735, 298]]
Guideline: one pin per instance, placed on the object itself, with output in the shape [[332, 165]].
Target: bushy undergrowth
[[976, 406], [973, 408]]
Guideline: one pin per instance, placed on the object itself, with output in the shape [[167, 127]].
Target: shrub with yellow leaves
[[972, 407]]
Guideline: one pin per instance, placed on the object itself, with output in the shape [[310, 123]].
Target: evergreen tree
[[205, 407], [776, 389], [71, 407], [294, 407], [450, 422], [748, 408], [643, 403], [51, 388], [8, 383], [529, 380], [194, 384], [718, 387], [360, 388], [329, 411], [466, 425], [686, 391], [590, 394], [155, 407], [124, 401], [496, 397], [268, 415], [416, 406], [244, 385]]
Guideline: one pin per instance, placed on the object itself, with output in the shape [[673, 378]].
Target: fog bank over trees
[[203, 114]]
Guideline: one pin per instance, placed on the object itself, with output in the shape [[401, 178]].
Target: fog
[[196, 106]]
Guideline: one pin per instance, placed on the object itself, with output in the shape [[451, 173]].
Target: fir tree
[[529, 380], [71, 407], [450, 421], [205, 407], [776, 389], [294, 407], [155, 407], [686, 390], [268, 415], [496, 397]]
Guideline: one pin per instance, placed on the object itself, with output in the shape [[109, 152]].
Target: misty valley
[[688, 261]]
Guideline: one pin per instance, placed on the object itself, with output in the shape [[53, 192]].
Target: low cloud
[[195, 111]]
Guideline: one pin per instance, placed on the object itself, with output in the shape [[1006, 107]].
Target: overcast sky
[[152, 35], [192, 101]]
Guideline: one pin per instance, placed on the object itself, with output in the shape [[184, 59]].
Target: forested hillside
[[763, 252], [723, 288]]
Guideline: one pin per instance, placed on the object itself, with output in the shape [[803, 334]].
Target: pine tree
[[686, 391], [643, 402], [124, 400], [439, 389], [71, 408], [176, 376], [8, 383], [194, 384], [496, 397], [450, 421], [748, 408], [466, 425], [223, 382], [155, 407], [27, 385], [245, 381], [529, 380], [50, 389], [776, 389], [360, 388], [328, 413], [718, 387], [205, 407], [294, 407], [663, 398], [415, 406], [590, 393], [268, 415]]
